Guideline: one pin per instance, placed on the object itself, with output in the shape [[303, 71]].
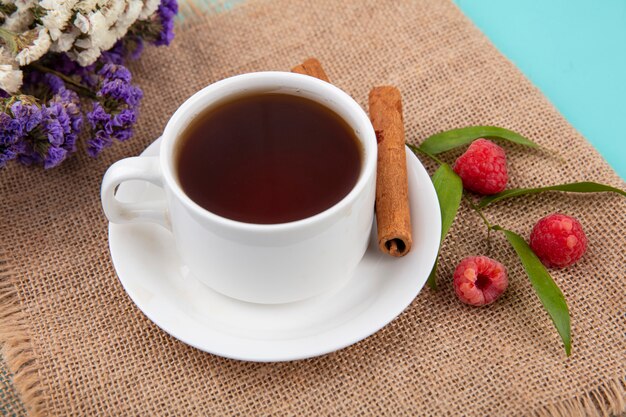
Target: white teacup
[[261, 263]]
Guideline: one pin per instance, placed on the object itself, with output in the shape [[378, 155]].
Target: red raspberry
[[558, 240], [482, 167], [479, 280]]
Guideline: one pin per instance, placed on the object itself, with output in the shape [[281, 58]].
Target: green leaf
[[575, 187], [548, 292], [454, 138], [449, 188], [432, 277]]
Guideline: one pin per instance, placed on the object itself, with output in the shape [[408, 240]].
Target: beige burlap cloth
[[77, 345]]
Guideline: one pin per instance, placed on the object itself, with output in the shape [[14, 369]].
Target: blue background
[[574, 51]]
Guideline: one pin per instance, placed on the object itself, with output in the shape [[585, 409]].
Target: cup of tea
[[269, 183]]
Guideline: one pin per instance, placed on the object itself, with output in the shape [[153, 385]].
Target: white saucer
[[152, 274]]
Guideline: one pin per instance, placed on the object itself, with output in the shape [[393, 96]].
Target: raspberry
[[479, 280], [482, 167], [558, 240]]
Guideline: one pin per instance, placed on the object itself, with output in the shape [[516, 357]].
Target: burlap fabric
[[78, 346], [10, 403]]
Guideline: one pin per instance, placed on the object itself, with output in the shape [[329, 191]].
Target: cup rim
[[274, 80]]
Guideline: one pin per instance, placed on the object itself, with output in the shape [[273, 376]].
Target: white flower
[[57, 16], [87, 52], [98, 28], [103, 27], [65, 41], [82, 28], [107, 40], [128, 18], [86, 57], [6, 57], [84, 43], [112, 11], [55, 21], [83, 23], [10, 78], [97, 24], [25, 4], [19, 21], [86, 6], [113, 15], [36, 48], [149, 8]]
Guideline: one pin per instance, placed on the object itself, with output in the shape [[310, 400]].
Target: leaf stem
[[478, 210]]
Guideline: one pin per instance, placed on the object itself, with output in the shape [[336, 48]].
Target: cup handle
[[146, 168]]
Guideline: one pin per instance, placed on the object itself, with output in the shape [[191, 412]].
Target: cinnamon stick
[[392, 193], [313, 68]]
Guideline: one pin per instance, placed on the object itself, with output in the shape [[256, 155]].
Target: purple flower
[[26, 117], [120, 91], [113, 116], [166, 13], [8, 138], [53, 126], [135, 47], [43, 126], [129, 47], [70, 102], [7, 153], [7, 129], [123, 134], [52, 140], [126, 117], [64, 105], [54, 157], [40, 134], [111, 72], [55, 83], [99, 119], [98, 142], [63, 64], [123, 123], [28, 156], [115, 55]]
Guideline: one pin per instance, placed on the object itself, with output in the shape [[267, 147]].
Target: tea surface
[[268, 158]]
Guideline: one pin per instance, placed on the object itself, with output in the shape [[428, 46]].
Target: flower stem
[[74, 85]]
